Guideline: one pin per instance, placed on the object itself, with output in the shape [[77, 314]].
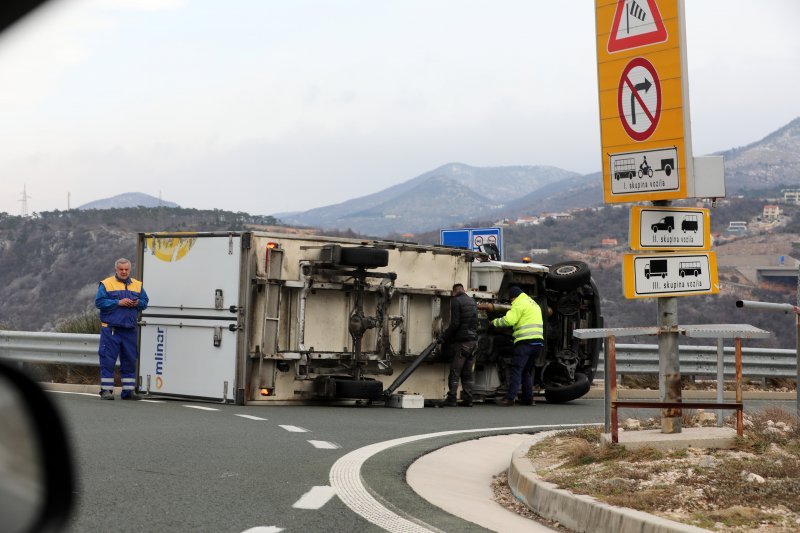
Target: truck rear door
[[189, 333]]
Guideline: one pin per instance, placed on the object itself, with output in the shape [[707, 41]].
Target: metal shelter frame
[[714, 331]]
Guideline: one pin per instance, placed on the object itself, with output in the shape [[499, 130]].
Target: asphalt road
[[170, 466], [189, 466]]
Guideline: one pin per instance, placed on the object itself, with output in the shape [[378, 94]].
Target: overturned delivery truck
[[264, 318]]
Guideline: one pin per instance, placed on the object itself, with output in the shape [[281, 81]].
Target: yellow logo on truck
[[170, 248]]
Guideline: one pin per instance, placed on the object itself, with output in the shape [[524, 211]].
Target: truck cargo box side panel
[[327, 314], [421, 321], [188, 273], [183, 361], [416, 269], [186, 345]]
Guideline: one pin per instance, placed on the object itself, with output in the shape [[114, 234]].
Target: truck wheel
[[361, 256], [667, 170], [566, 393], [365, 389], [568, 275]]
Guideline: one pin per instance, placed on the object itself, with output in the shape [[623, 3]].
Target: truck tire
[[568, 275], [566, 393], [362, 389], [363, 257]]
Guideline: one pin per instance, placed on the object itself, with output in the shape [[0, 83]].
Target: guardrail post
[[611, 379], [739, 411], [607, 386], [720, 379]]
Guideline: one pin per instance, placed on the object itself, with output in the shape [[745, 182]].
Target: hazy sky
[[266, 106]]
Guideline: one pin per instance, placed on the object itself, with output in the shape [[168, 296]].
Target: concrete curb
[[579, 512], [596, 393]]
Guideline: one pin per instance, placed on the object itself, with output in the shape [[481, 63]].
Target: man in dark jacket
[[461, 338]]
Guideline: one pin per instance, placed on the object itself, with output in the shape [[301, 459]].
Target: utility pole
[[24, 201]]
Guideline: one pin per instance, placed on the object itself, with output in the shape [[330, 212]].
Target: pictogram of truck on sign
[[656, 267], [625, 168]]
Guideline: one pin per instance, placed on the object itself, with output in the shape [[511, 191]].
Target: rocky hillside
[[771, 162], [50, 264]]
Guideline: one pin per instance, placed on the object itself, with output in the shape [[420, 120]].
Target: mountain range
[[458, 194], [449, 195]]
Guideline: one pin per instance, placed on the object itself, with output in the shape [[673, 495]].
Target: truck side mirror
[[36, 475]]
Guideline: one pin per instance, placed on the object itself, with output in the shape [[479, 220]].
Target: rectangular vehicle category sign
[[670, 228], [669, 274]]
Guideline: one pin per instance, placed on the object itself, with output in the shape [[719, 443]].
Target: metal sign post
[[669, 372]]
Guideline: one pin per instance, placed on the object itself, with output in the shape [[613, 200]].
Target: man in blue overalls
[[119, 299]]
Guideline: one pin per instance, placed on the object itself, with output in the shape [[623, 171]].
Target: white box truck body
[[260, 318]]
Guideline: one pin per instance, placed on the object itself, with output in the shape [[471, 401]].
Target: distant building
[[736, 226], [608, 242], [791, 196], [527, 221], [538, 251], [558, 216], [771, 212]]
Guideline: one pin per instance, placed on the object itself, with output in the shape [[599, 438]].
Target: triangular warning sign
[[636, 23]]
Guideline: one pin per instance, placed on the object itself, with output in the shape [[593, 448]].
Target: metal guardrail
[[81, 349], [52, 348], [702, 361]]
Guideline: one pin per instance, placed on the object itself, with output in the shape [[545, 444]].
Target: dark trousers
[[122, 343], [525, 355], [462, 367]]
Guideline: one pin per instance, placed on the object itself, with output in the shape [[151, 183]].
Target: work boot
[[505, 402], [131, 396], [465, 404], [106, 394], [528, 402], [449, 402]]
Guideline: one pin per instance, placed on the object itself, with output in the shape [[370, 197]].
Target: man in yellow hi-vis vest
[[525, 317]]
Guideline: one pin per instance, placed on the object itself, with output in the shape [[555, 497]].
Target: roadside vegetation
[[753, 487]]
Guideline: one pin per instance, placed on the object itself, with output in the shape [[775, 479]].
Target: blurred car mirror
[[36, 476]]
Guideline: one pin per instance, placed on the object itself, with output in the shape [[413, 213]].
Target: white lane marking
[[264, 529], [75, 393], [92, 395], [250, 417], [315, 498], [324, 445], [294, 429], [345, 477], [201, 407]]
